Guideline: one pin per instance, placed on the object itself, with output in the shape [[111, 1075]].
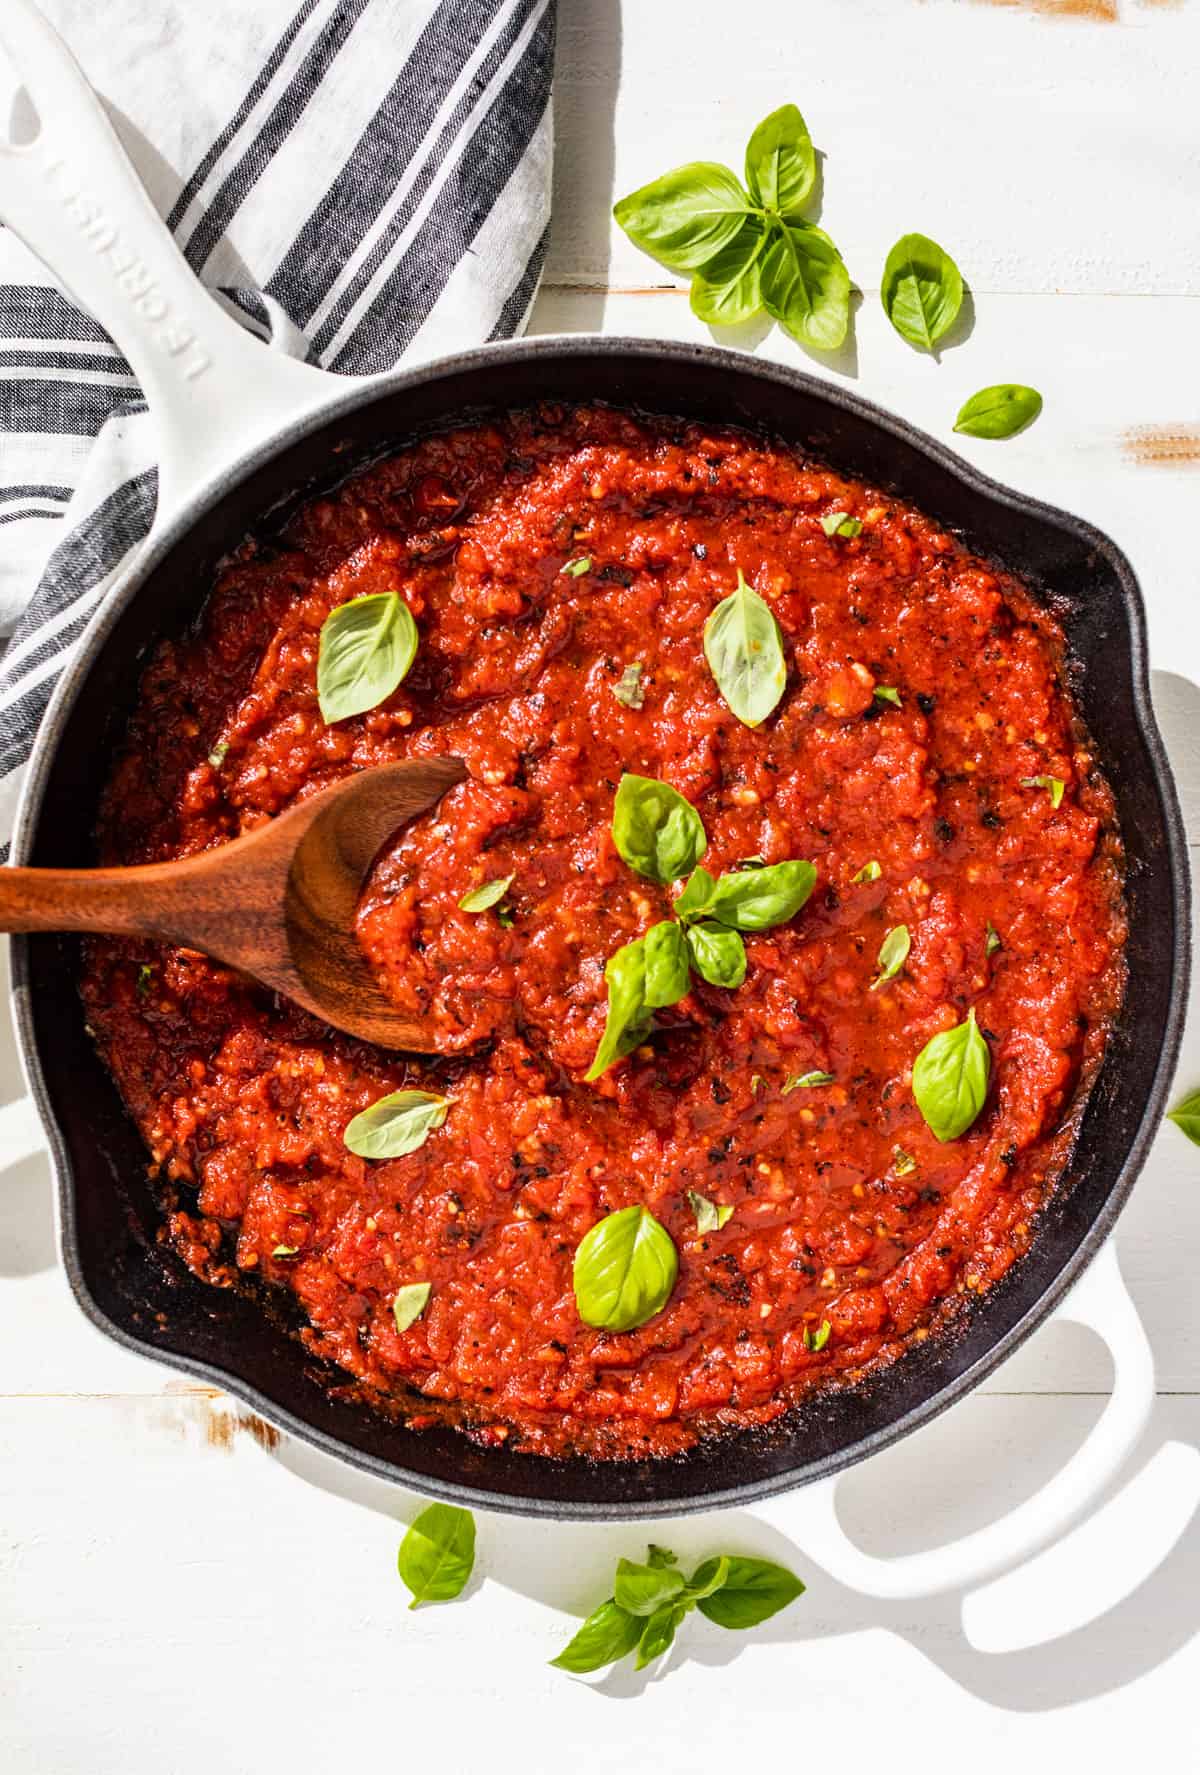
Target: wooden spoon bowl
[[278, 904]]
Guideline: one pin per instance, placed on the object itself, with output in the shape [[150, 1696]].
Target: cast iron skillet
[[137, 1292]]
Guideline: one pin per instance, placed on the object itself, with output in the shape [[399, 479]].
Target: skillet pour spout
[[277, 904]]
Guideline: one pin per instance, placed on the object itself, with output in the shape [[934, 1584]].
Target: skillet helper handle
[[1100, 1301], [68, 189]]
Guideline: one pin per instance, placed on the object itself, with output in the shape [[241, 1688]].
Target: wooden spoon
[[278, 904]]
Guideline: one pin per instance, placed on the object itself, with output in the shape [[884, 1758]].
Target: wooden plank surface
[[179, 1589]]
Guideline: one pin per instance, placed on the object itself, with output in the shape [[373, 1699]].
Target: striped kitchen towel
[[367, 181]]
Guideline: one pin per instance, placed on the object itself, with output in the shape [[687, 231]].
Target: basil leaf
[[718, 955], [410, 1302], [781, 164], [659, 1632], [708, 1577], [628, 688], [365, 651], [1054, 784], [660, 1555], [666, 965], [893, 953], [640, 1589], [869, 872], [576, 569], [806, 1081], [887, 693], [950, 1079], [480, 898], [697, 896], [628, 1022], [686, 217], [710, 1216], [756, 899], [437, 1555], [607, 1634], [999, 412], [743, 645], [922, 290], [753, 1591], [841, 524], [656, 830], [993, 940], [816, 1340], [902, 1163], [396, 1124], [805, 285], [625, 1269], [1186, 1115], [729, 289]]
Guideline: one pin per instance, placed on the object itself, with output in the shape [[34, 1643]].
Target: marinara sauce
[[846, 1209]]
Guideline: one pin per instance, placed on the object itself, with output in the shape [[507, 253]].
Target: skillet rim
[[982, 486]]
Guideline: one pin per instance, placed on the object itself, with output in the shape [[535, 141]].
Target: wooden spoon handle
[[141, 902]]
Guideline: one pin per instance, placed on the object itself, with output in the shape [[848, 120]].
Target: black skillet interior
[[140, 1294]]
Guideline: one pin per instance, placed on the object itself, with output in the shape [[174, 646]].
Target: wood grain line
[[1162, 446], [1100, 12]]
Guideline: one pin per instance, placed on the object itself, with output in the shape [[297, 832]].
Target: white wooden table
[[1058, 158]]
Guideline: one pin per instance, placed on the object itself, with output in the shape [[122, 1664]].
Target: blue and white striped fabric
[[367, 181]]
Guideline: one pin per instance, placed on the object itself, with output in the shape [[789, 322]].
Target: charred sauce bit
[[846, 1211]]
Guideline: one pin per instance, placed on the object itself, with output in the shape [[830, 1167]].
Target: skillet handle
[[71, 193], [1100, 1301]]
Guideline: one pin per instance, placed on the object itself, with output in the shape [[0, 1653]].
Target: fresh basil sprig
[[922, 290], [365, 651], [743, 645], [659, 833], [437, 1555], [746, 248], [805, 1081], [656, 830], [409, 1302], [1186, 1115], [841, 524], [625, 1269], [628, 688], [999, 412], [950, 1079], [396, 1124], [710, 1216], [480, 899], [1053, 785], [650, 1601], [893, 953]]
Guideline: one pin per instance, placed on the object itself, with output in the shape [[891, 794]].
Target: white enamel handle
[[1100, 1301], [76, 201]]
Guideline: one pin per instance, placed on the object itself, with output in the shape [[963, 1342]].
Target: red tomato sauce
[[846, 1208]]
